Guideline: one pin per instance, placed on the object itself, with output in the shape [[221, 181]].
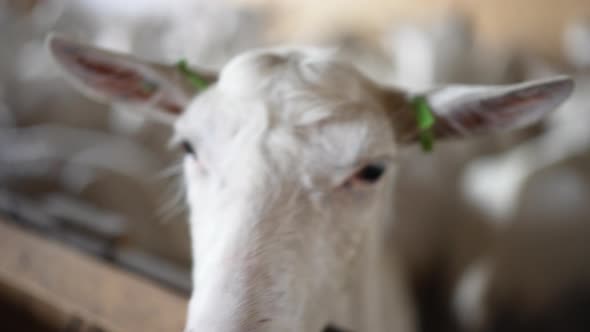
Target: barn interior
[[93, 224]]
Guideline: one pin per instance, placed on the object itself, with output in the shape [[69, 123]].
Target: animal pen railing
[[45, 286]]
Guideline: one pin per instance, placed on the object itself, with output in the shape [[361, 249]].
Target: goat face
[[290, 157]]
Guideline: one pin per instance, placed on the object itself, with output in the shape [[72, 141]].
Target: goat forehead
[[289, 102], [304, 122], [283, 74], [292, 87]]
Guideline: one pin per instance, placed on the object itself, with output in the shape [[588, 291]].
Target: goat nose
[[332, 328]]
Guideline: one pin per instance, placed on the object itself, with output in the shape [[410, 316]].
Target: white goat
[[289, 168]]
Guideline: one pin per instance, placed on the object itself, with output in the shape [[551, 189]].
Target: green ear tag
[[196, 80], [425, 121]]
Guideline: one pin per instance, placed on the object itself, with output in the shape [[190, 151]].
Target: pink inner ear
[[112, 78], [115, 80], [510, 110], [506, 106], [123, 83]]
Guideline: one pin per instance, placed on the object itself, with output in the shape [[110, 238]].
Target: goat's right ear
[[117, 78]]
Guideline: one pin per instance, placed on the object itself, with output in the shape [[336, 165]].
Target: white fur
[[276, 139]]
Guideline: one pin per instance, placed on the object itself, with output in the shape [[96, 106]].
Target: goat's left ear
[[112, 77], [461, 111]]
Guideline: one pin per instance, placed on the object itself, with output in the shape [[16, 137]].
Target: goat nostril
[[332, 328], [264, 320]]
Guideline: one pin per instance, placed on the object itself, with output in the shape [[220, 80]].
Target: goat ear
[[116, 78], [461, 111]]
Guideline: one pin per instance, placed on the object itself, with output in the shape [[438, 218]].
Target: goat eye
[[188, 148], [370, 173]]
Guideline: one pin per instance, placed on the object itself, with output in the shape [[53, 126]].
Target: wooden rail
[[69, 291]]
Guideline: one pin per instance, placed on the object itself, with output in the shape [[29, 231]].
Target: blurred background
[[493, 233]]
